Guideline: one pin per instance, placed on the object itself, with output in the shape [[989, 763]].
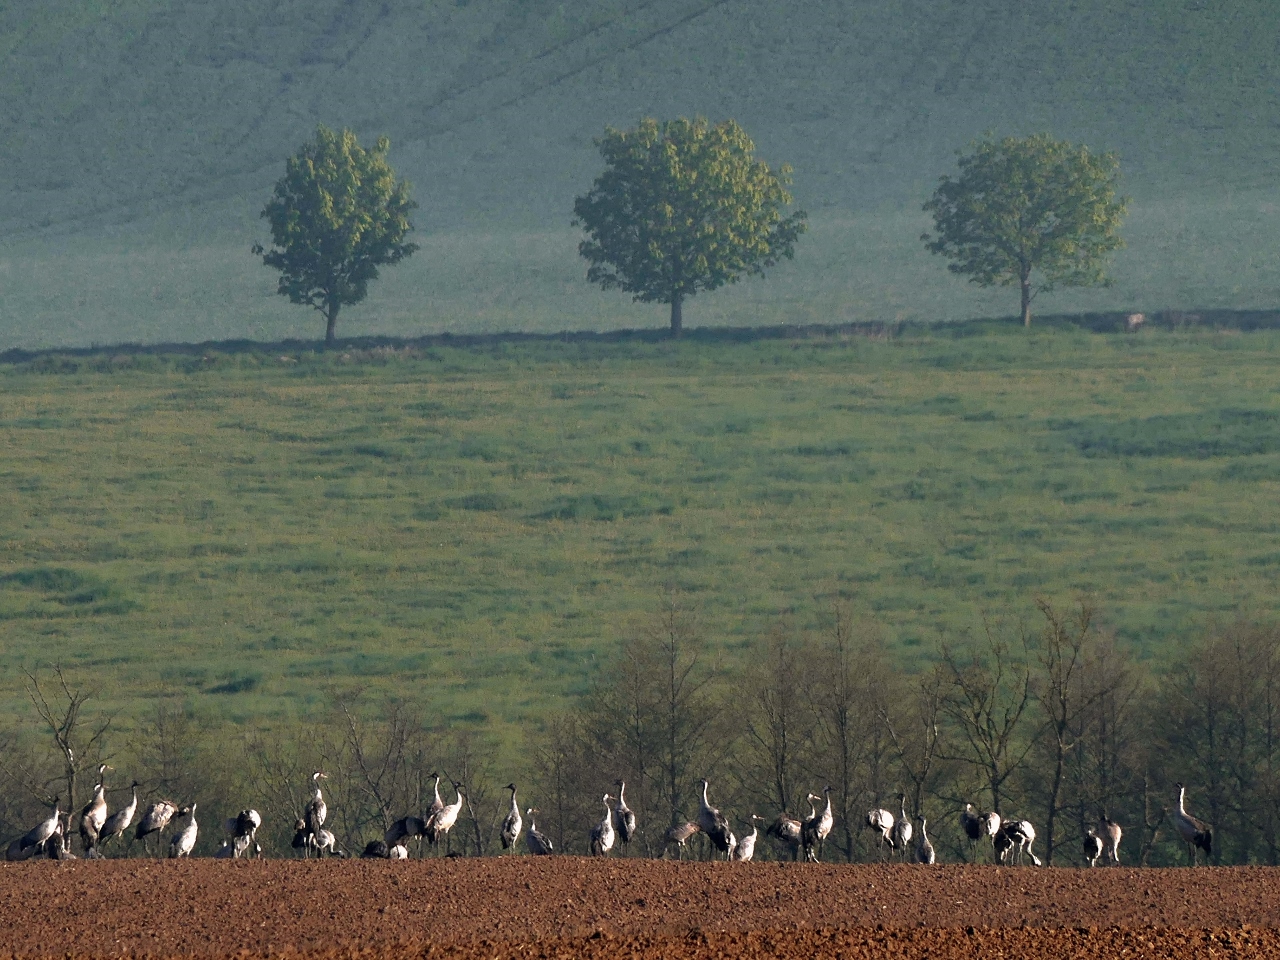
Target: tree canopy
[[1023, 204], [683, 206], [336, 215]]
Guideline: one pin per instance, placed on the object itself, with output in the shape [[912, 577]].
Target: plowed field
[[568, 908]]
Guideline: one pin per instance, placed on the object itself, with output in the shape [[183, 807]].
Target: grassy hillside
[[140, 138], [483, 524]]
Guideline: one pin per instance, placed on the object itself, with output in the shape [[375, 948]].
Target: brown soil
[[569, 907]]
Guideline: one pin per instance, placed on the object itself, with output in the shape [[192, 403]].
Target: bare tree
[[913, 722], [780, 719], [79, 740], [989, 691], [560, 767], [850, 686]]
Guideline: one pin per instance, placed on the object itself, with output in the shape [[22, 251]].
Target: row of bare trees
[[1047, 719]]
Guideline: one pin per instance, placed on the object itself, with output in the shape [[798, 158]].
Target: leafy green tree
[[683, 206], [1029, 203], [336, 215]]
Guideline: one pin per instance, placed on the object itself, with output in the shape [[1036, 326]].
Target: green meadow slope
[[479, 527], [140, 138]]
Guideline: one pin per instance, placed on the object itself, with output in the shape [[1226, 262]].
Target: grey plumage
[[924, 849], [184, 841], [537, 843], [512, 825], [602, 834], [117, 823], [624, 818], [713, 823]]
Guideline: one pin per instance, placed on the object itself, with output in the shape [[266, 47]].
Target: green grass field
[[479, 524]]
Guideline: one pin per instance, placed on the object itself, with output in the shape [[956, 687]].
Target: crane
[[154, 819], [746, 847], [924, 849], [512, 825], [1092, 846], [679, 835], [184, 840], [1195, 833], [1014, 839], [817, 828], [94, 814], [713, 823], [882, 821], [538, 843], [900, 834], [624, 818], [442, 821], [34, 840], [786, 830], [243, 830], [602, 834], [301, 837], [404, 828], [324, 842], [1109, 833], [116, 824], [974, 828], [317, 810]]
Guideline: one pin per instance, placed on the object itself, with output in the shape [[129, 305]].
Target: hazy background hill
[[140, 139]]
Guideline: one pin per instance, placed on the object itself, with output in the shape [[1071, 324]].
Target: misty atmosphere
[[539, 441]]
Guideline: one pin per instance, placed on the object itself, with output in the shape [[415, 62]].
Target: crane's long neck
[[705, 802], [828, 793], [514, 807], [1182, 792]]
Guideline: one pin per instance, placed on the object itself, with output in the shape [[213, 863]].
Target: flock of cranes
[[1011, 839]]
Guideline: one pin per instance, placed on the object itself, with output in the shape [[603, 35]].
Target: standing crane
[[624, 818], [442, 821], [786, 830], [94, 814], [35, 839], [1109, 833], [116, 824], [243, 831], [512, 825], [900, 835], [154, 820], [882, 821], [602, 834], [1194, 833], [301, 837], [538, 843], [403, 829], [679, 835], [924, 849], [437, 804], [713, 823], [746, 847], [184, 841], [974, 828], [1014, 839], [1092, 846], [317, 810], [817, 828]]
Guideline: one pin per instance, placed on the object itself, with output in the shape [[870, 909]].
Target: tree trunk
[[677, 320], [332, 318], [1026, 298]]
